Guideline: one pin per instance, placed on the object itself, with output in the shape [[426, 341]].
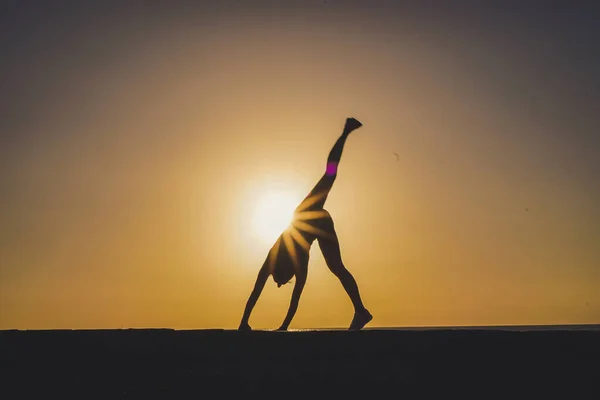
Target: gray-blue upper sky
[[110, 111]]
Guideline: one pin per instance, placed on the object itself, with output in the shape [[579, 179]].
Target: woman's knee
[[337, 268]]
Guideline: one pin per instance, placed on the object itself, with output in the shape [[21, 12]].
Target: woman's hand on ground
[[244, 326]]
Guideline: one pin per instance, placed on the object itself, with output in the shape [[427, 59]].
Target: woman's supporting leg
[[330, 248]]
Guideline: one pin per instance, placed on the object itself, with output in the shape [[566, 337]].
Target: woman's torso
[[293, 245]]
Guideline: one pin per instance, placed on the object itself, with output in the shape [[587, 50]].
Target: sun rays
[[300, 230]]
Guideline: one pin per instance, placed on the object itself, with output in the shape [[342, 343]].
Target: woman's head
[[282, 273]]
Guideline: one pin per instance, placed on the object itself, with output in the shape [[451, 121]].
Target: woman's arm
[[298, 287], [261, 279]]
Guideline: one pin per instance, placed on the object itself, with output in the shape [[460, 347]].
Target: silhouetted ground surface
[[136, 363]]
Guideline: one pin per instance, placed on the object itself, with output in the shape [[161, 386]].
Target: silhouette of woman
[[290, 253]]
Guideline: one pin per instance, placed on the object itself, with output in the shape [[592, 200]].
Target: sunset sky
[[138, 144]]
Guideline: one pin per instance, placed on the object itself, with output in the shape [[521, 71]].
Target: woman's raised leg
[[318, 195]]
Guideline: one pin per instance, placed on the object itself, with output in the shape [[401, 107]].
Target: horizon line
[[375, 328]]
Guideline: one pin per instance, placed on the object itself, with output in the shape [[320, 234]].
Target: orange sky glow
[[141, 144]]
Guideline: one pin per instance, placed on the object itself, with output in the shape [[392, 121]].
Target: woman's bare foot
[[360, 320], [351, 124]]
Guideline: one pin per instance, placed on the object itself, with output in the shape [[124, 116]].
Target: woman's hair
[[283, 273]]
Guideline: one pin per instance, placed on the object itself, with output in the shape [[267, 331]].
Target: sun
[[272, 214]]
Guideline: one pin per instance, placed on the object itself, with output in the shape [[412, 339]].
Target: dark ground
[[377, 363]]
